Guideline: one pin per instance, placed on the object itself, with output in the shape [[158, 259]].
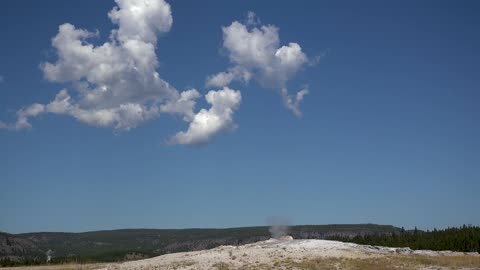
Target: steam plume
[[49, 254], [278, 227]]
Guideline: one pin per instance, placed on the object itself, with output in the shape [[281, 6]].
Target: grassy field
[[59, 267], [378, 263], [394, 262], [387, 262]]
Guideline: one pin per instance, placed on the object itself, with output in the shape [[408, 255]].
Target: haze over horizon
[[163, 114], [220, 228]]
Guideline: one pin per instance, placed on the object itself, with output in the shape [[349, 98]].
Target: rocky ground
[[292, 254], [306, 254]]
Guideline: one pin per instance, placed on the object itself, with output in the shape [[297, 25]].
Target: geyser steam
[[278, 227], [278, 231], [49, 255]]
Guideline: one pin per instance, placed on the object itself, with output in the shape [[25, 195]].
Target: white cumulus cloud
[[207, 123], [255, 53], [116, 83], [252, 18], [22, 117]]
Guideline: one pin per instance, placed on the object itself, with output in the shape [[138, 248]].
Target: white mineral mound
[[267, 254]]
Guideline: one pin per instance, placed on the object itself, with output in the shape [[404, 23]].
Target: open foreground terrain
[[292, 254]]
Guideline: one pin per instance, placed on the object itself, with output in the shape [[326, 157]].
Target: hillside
[[125, 244], [16, 247]]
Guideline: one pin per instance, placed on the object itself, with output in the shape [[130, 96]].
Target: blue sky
[[388, 132]]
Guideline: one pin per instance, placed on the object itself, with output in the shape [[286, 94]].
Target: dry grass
[[222, 266], [386, 263], [182, 264], [59, 267], [392, 262]]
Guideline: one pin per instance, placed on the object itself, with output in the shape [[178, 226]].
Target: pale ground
[[299, 254], [305, 254]]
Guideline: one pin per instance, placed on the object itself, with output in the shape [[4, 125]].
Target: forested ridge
[[464, 239]]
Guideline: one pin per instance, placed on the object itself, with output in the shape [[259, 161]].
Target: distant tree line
[[464, 239], [8, 262]]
